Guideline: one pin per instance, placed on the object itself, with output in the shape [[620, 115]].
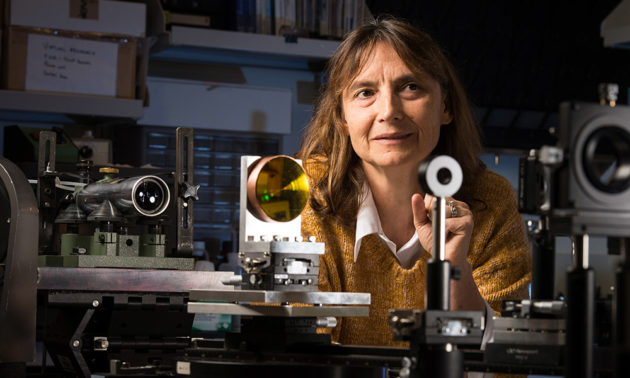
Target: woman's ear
[[446, 116]]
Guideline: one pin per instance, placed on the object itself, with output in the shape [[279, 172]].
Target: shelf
[[70, 104], [220, 46]]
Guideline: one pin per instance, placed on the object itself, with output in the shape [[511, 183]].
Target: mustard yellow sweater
[[499, 256]]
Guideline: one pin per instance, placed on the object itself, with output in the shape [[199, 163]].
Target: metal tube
[[579, 251], [439, 228], [127, 195]]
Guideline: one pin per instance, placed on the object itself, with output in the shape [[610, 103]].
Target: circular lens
[[149, 195], [280, 190], [606, 159]]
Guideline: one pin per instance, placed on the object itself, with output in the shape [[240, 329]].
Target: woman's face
[[393, 117]]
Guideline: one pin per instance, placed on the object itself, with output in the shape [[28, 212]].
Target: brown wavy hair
[[326, 140]]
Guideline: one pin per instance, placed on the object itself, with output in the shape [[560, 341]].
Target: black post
[[443, 360], [580, 313], [543, 261], [439, 360], [438, 291], [622, 310]]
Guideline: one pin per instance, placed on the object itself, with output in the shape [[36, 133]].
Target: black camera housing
[[591, 188]]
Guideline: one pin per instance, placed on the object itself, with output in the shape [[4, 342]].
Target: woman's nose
[[389, 107]]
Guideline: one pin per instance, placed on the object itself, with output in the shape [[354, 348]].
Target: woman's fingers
[[420, 215], [458, 225], [452, 207]]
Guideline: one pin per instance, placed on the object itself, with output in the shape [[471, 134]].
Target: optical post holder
[[534, 197], [436, 332]]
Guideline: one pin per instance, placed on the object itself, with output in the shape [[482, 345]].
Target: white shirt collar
[[368, 222]]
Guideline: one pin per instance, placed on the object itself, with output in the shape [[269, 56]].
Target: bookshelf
[[59, 103], [182, 44], [240, 48]]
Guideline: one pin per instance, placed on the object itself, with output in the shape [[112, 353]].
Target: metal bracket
[[47, 152], [184, 188], [46, 193], [76, 343]]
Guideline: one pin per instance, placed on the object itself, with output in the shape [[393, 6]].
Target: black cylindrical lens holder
[[443, 361], [438, 285]]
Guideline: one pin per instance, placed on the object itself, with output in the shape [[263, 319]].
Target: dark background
[[520, 59]]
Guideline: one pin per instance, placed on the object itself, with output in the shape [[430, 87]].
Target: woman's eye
[[365, 93], [412, 87]]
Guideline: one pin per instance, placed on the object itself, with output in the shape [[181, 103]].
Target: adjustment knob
[[190, 191]]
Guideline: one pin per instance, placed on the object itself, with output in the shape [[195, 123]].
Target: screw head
[[76, 343], [406, 362], [96, 303]]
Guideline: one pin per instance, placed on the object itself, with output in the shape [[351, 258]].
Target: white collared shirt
[[369, 222]]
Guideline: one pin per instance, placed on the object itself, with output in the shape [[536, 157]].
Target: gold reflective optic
[[277, 189]]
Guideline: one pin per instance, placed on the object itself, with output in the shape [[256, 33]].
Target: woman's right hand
[[458, 228]]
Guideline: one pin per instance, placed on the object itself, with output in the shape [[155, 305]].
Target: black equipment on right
[[581, 187]]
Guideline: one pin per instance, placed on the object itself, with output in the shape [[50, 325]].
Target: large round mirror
[[277, 189]]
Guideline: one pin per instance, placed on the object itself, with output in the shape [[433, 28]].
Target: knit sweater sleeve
[[499, 253]]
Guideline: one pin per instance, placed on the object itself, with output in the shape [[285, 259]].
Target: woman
[[393, 99]]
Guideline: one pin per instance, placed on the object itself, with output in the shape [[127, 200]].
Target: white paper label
[[183, 368], [71, 65]]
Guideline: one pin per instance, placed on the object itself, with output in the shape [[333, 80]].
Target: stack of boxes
[[84, 47]]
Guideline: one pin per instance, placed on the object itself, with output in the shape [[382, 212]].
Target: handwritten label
[[71, 65]]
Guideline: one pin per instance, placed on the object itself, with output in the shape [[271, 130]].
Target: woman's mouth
[[393, 137]]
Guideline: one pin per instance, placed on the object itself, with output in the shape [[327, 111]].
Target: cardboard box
[[70, 62], [95, 16]]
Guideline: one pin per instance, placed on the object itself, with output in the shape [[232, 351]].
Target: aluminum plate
[[278, 311], [263, 296]]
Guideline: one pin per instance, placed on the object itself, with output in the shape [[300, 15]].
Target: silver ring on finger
[[451, 204]]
